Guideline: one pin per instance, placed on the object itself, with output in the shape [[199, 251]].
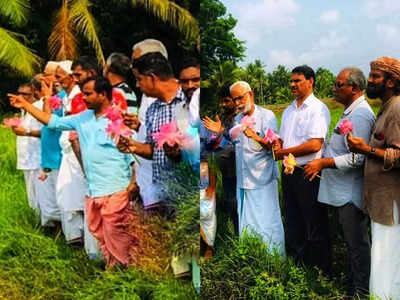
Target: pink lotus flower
[[117, 128], [42, 176], [248, 122], [170, 134], [113, 113], [271, 136], [12, 122], [55, 102], [289, 162], [345, 127]]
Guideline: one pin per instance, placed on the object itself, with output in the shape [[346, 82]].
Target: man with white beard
[[256, 170]]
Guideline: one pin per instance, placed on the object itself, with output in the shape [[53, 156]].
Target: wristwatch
[[27, 132], [372, 150]]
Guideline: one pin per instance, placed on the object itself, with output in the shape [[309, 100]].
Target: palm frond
[[86, 25], [16, 55], [171, 13], [62, 42], [16, 10]]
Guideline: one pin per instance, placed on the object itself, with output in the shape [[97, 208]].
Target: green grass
[[36, 266]]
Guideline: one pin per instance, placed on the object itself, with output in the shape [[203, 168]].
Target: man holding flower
[[342, 172], [304, 127], [256, 170], [382, 178]]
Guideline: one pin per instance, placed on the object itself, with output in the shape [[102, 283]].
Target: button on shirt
[[157, 114], [255, 166], [28, 148], [345, 184], [107, 169], [310, 121]]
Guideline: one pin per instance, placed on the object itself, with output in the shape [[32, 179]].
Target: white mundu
[[70, 188], [28, 155]]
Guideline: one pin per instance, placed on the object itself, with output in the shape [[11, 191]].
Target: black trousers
[[226, 162], [354, 224], [307, 230]]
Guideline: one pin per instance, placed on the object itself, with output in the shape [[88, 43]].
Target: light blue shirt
[[255, 166], [107, 169], [345, 184], [49, 143]]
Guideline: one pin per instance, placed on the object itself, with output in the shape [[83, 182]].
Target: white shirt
[[67, 100], [28, 148], [310, 121]]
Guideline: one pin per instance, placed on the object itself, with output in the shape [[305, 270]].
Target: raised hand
[[47, 86], [214, 126], [17, 101]]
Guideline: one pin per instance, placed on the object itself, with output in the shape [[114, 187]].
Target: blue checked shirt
[[157, 114]]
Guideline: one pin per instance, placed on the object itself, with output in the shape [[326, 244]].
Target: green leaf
[[17, 10], [86, 25], [16, 55]]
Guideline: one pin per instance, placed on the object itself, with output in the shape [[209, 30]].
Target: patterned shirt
[[130, 96], [157, 114]]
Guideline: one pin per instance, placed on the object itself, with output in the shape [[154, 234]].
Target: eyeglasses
[[339, 85], [239, 98]]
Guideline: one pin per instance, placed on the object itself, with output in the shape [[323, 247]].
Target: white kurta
[[257, 186], [46, 193], [28, 155], [385, 259]]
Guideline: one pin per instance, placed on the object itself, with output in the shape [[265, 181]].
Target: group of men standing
[[357, 173], [82, 177]]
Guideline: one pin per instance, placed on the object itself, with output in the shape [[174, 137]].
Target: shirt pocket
[[301, 127], [103, 139]]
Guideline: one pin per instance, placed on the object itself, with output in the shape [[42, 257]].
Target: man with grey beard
[[256, 170]]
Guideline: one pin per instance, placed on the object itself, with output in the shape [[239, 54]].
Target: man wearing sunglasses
[[256, 170], [304, 127], [340, 168]]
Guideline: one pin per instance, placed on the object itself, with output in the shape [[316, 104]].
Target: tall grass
[[36, 266]]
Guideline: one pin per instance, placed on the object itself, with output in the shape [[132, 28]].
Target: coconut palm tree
[[13, 52], [74, 18]]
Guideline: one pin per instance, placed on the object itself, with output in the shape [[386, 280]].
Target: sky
[[328, 34]]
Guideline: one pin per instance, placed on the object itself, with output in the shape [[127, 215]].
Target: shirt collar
[[353, 105], [180, 96], [309, 100]]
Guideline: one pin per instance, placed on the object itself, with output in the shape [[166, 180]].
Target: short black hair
[[101, 85], [305, 70], [153, 63], [87, 63], [224, 91], [26, 84], [188, 62], [119, 63], [36, 83]]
